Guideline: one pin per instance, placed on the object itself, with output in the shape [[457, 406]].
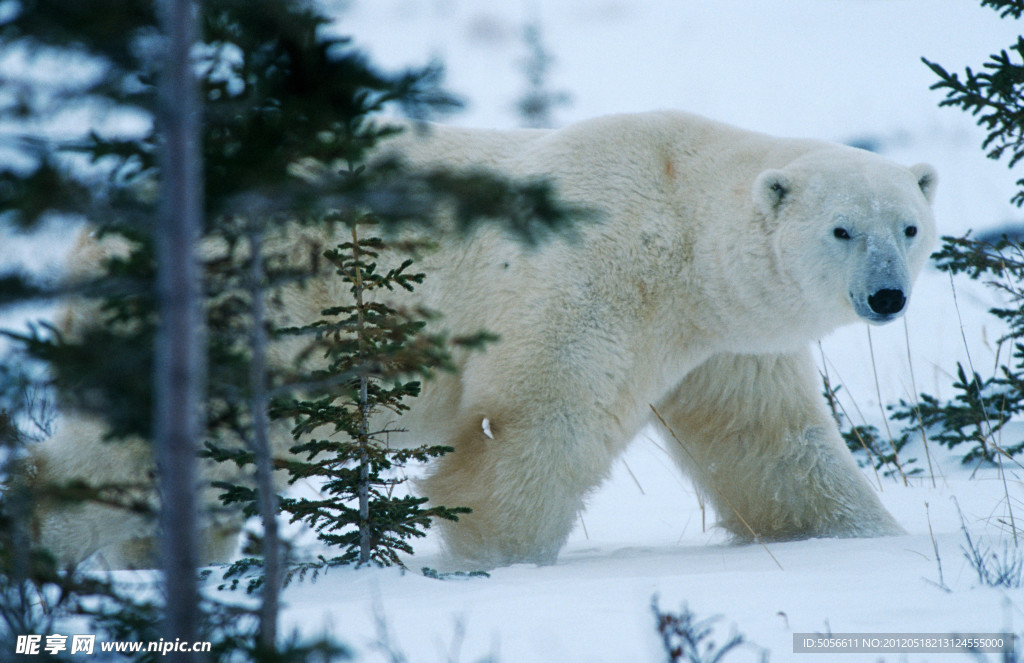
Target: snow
[[594, 604], [842, 70]]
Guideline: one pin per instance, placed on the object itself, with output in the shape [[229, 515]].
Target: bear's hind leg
[[524, 479], [125, 538], [758, 441]]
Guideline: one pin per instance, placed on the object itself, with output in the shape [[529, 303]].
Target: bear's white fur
[[715, 256]]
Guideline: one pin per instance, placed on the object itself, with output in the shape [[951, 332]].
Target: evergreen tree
[[994, 95], [283, 104], [371, 349], [983, 405]]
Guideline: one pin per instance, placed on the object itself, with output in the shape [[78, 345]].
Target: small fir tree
[[371, 350]]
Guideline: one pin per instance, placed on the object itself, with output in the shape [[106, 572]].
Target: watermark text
[[57, 643]]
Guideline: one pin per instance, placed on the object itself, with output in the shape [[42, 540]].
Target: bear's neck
[[777, 316]]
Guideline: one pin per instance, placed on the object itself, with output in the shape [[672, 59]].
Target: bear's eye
[[910, 231], [841, 233]]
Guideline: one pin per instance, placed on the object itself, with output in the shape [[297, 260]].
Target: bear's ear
[[770, 190], [927, 178]]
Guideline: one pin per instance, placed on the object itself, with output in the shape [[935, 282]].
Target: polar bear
[[714, 257]]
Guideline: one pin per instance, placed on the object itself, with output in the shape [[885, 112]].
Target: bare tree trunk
[[261, 451], [363, 492], [365, 541], [180, 352]]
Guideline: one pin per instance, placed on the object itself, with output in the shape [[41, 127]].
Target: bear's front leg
[[524, 477], [759, 443]]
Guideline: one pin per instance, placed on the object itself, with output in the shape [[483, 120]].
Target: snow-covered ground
[[594, 604], [842, 70]]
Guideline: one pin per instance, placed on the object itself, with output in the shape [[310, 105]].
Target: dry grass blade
[[1006, 489], [881, 408], [917, 409], [935, 547], [834, 402], [635, 480], [970, 361], [724, 498]]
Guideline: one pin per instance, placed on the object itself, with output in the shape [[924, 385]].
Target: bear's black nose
[[887, 301]]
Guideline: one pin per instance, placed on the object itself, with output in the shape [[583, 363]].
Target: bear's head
[[851, 230]]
